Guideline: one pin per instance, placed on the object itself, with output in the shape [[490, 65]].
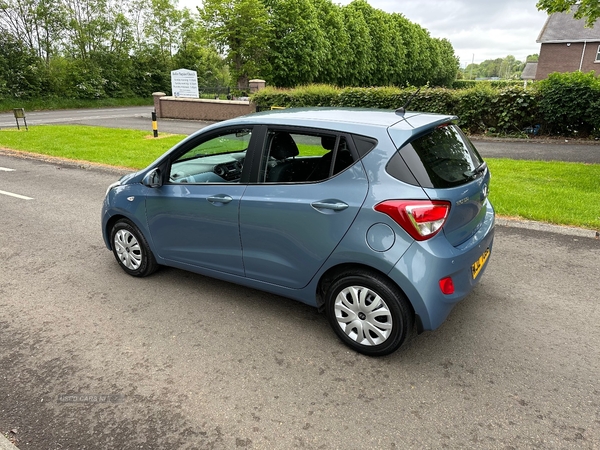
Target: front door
[[193, 218]]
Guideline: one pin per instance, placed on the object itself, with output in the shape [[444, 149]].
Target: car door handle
[[330, 204], [221, 198]]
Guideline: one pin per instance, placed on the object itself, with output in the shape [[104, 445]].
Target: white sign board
[[184, 83]]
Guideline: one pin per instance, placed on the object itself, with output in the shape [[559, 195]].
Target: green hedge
[[570, 105], [564, 104], [498, 84]]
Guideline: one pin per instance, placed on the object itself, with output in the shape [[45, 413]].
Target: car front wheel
[[368, 313], [131, 250]]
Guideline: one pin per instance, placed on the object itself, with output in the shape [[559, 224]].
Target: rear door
[[304, 202]]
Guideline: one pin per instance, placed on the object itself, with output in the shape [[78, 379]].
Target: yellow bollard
[[154, 124]]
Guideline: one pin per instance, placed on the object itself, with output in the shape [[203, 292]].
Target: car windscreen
[[442, 158]]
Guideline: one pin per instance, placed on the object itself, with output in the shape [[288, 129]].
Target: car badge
[[131, 199], [485, 191]]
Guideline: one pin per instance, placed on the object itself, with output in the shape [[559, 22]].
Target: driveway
[[92, 358]]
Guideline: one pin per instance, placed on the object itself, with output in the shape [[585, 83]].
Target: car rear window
[[442, 158]]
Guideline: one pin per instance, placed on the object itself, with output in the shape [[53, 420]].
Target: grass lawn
[[115, 147], [555, 192]]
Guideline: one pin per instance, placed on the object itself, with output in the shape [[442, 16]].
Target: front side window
[[219, 159], [303, 157]]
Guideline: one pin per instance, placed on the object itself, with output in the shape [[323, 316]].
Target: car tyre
[[368, 312], [131, 249]]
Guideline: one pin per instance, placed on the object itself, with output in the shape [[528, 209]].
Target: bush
[[565, 104], [497, 84], [480, 109], [570, 103], [474, 109], [21, 73]]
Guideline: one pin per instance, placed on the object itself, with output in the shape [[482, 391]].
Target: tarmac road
[[91, 358], [139, 118], [134, 118]]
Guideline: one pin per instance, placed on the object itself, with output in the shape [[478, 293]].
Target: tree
[[401, 52], [336, 45], [385, 58], [587, 9], [360, 61], [241, 29], [37, 24], [196, 54], [447, 70], [297, 49], [510, 67], [118, 48], [19, 69], [163, 28], [424, 58]]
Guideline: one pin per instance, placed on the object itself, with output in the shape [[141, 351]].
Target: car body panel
[[187, 227], [287, 236], [128, 201], [424, 264], [469, 207]]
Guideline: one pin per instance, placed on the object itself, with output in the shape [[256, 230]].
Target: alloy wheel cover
[[128, 249], [363, 315]]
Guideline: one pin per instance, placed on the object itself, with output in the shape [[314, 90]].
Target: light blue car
[[379, 218]]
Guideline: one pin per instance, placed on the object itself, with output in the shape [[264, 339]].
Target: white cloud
[[487, 29]]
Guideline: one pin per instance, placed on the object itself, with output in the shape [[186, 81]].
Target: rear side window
[[443, 158], [364, 145], [294, 157]]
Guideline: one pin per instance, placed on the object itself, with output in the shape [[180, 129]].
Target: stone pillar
[[157, 96], [256, 85]]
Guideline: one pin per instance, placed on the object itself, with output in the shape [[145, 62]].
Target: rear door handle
[[334, 205], [221, 198]]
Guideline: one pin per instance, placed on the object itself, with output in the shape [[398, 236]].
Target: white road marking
[[10, 194], [6, 169]]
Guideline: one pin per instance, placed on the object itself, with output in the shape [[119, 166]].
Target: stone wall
[[168, 107], [200, 109]]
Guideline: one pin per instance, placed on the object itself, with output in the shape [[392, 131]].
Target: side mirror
[[153, 179]]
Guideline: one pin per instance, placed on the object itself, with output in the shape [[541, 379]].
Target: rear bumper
[[424, 264]]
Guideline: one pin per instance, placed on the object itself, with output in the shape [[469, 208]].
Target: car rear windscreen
[[442, 158]]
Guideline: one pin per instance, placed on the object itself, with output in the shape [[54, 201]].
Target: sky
[[477, 29]]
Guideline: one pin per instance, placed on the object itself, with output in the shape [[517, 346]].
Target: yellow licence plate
[[476, 268]]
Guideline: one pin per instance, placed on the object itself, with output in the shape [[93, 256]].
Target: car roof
[[344, 119]]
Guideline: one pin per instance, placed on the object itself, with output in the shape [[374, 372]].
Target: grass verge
[[115, 147], [555, 192], [547, 191]]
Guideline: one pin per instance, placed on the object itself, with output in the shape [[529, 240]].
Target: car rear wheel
[[131, 250], [368, 313]]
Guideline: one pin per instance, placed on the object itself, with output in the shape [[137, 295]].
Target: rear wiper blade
[[473, 173]]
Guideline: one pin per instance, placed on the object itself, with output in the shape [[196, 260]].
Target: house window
[[598, 55]]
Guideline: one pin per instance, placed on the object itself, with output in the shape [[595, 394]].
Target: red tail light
[[447, 286], [422, 219]]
